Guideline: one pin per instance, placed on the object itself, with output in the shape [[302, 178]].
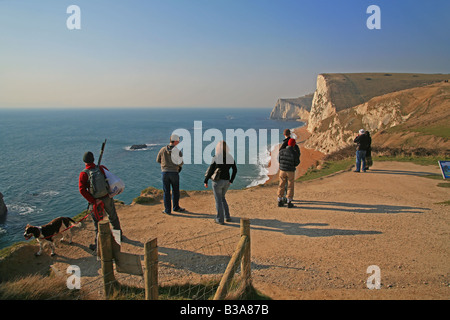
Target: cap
[[88, 157], [291, 142]]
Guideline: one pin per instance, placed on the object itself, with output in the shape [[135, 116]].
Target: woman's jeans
[[171, 179], [220, 189], [360, 158]]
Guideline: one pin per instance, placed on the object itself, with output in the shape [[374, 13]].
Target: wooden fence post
[[106, 256], [246, 260], [151, 270], [242, 249]]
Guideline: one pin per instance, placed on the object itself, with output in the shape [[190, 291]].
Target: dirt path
[[321, 249]]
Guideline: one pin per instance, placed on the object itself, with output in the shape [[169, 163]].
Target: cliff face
[[337, 92], [292, 109], [417, 117]]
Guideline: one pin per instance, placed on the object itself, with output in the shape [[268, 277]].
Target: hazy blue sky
[[212, 53]]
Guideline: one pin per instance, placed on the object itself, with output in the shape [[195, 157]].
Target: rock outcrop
[[138, 146], [292, 109], [3, 208], [401, 110], [339, 91], [417, 117]]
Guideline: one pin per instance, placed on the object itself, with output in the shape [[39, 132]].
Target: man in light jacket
[[171, 160]]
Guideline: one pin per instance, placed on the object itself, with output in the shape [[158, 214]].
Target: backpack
[[98, 186]]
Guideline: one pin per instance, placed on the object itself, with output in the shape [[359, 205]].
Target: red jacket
[[83, 182]]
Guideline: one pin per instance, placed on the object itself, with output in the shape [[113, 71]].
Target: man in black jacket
[[362, 144], [287, 137], [288, 159]]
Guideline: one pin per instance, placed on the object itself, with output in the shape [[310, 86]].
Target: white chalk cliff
[[292, 109], [344, 103]]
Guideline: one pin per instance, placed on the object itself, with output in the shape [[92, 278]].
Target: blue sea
[[42, 150]]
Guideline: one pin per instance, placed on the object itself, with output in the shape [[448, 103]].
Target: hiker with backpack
[[93, 187]]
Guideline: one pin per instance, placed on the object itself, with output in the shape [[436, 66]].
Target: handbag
[[216, 175]]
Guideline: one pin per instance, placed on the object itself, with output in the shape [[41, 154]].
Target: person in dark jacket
[[362, 143], [284, 144], [288, 160], [369, 161], [287, 136], [219, 173]]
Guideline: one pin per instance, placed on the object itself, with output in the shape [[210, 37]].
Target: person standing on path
[[171, 160], [219, 173], [284, 144], [362, 143], [97, 198], [287, 136], [288, 160]]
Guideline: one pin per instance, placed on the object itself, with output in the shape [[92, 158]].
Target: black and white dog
[[48, 231]]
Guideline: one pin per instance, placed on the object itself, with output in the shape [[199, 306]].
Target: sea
[[41, 153]]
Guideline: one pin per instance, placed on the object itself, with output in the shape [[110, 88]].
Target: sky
[[206, 53]]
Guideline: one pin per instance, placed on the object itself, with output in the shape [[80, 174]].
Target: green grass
[[421, 160], [328, 167], [438, 131], [202, 291]]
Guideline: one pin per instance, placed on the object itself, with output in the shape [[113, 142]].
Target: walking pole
[[101, 153]]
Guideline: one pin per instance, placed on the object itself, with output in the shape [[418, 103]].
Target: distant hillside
[[339, 91], [412, 118]]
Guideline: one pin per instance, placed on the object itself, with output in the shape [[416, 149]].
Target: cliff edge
[[412, 118], [339, 91]]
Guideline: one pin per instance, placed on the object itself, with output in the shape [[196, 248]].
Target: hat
[[88, 157], [291, 142], [174, 137], [361, 131]]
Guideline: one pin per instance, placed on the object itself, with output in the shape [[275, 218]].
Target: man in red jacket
[[108, 203]]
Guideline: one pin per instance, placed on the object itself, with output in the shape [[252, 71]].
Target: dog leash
[[77, 222], [97, 209]]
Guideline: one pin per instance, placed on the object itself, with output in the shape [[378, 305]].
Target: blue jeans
[[220, 189], [360, 158], [171, 179]]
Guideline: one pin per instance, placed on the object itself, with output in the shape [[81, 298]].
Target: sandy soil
[[320, 249]]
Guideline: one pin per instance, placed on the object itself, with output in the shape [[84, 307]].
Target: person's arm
[[296, 158], [83, 187], [158, 157], [209, 172], [234, 172]]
